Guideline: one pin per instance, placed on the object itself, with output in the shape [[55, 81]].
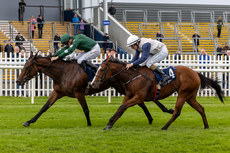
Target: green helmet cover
[[65, 37]]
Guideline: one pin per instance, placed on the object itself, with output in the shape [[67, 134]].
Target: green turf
[[63, 127]]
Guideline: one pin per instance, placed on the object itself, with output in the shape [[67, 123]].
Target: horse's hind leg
[[54, 96], [145, 109], [163, 108], [82, 101], [194, 104], [179, 104]]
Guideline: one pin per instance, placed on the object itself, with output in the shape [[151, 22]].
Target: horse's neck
[[125, 75], [53, 70]]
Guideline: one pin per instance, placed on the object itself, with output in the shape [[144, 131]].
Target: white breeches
[[85, 56], [152, 59]]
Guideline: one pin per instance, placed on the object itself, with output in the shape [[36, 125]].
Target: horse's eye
[[102, 70]]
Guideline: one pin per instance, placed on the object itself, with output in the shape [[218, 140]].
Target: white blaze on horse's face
[[95, 75]]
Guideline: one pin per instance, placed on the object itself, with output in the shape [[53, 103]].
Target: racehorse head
[[107, 71], [29, 70]]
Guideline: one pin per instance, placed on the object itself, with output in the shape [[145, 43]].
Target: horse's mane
[[114, 60], [58, 60]]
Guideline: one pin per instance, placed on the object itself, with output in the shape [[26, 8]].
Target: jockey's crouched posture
[[153, 51], [81, 42]]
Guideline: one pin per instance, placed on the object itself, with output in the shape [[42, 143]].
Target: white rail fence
[[11, 67]]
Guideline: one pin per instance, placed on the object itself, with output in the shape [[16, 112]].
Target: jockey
[[81, 42], [153, 51]]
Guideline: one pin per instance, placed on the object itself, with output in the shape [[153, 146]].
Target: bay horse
[[69, 80], [141, 86]]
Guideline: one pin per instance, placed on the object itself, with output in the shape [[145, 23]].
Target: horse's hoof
[[107, 127], [206, 127], [26, 124], [150, 122], [171, 111], [164, 128]]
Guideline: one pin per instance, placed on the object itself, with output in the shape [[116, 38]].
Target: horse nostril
[[94, 85], [17, 82]]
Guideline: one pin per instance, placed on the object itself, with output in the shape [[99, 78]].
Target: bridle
[[29, 68]]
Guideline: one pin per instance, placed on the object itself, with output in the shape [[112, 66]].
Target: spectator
[[21, 10], [22, 57], [225, 80], [225, 48], [33, 25], [21, 47], [159, 36], [48, 52], [204, 57], [106, 40], [19, 37], [113, 53], [56, 46], [219, 26], [228, 55], [9, 49], [82, 26], [16, 52], [1, 48], [219, 51], [76, 26], [195, 38], [177, 55], [40, 25], [112, 10], [107, 52]]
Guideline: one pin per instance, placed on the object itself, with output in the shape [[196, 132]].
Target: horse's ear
[[31, 54], [36, 54]]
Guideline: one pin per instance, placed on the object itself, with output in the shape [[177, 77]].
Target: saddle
[[170, 71]]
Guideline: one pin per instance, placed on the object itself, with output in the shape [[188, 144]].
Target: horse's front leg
[[82, 101], [163, 108], [52, 99], [125, 104], [145, 109]]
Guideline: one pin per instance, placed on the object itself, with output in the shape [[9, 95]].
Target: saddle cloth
[[170, 71], [91, 73]]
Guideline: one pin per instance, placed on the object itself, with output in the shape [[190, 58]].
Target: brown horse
[[141, 85], [69, 80]]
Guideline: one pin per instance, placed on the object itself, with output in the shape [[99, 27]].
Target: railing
[[29, 28], [145, 15], [30, 43], [11, 67], [160, 12], [70, 26], [194, 41]]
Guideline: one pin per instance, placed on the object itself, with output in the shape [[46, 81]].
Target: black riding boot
[[165, 76], [83, 65]]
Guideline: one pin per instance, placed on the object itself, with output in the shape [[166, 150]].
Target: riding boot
[[94, 67], [83, 65], [159, 71]]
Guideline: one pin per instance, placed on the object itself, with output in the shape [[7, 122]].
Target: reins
[[135, 77]]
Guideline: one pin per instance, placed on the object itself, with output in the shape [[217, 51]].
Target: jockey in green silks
[[81, 42]]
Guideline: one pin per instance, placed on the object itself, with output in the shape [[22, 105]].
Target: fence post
[[33, 91], [109, 95]]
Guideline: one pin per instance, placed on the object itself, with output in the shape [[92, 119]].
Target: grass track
[[63, 127]]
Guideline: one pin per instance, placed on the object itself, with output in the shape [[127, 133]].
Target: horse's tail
[[208, 82]]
